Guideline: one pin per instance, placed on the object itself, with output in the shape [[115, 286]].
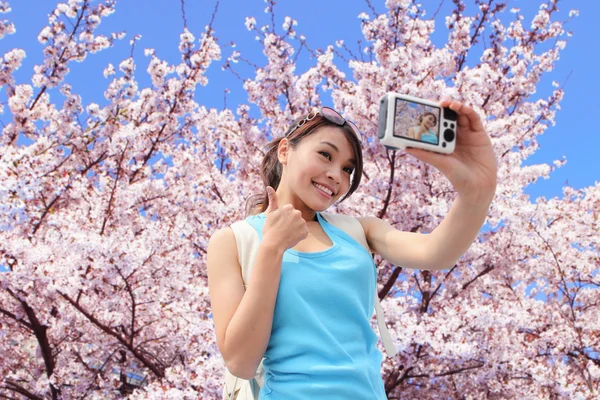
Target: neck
[[285, 197]]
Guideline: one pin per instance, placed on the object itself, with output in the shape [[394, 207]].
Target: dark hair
[[426, 114], [271, 169]]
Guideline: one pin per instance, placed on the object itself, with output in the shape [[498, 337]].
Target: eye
[[325, 154]]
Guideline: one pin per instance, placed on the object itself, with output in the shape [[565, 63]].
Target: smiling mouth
[[323, 190]]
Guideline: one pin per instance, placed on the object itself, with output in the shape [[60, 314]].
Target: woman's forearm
[[249, 330], [455, 234]]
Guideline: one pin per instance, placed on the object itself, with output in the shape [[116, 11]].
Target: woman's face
[[429, 121], [318, 171]]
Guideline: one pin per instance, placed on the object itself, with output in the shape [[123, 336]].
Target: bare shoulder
[[364, 221], [222, 251], [370, 224], [225, 283], [222, 237], [376, 231], [223, 266], [346, 220]]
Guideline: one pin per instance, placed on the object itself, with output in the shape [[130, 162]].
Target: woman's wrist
[[274, 247], [479, 200]]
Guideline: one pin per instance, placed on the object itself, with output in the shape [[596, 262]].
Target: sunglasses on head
[[330, 115]]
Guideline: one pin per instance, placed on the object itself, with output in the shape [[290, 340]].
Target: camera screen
[[416, 121]]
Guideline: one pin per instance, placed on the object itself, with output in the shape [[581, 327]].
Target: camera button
[[448, 135]]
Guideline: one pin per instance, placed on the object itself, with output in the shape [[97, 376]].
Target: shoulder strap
[[350, 225], [247, 241], [353, 227]]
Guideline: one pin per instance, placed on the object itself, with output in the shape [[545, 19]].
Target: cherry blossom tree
[[105, 216]]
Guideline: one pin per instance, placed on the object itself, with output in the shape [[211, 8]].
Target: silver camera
[[406, 121]]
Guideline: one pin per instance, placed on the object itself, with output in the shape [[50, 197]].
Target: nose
[[334, 174]]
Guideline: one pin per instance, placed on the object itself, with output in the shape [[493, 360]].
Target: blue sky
[[575, 135]]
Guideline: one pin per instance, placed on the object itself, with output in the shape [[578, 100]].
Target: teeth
[[323, 188]]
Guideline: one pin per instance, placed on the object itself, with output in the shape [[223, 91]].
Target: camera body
[[407, 121]]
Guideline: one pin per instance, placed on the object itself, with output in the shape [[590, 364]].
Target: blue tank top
[[429, 137], [322, 344]]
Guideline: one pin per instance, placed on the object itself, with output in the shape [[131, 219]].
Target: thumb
[[273, 202]]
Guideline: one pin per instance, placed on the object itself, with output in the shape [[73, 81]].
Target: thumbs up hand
[[273, 200], [284, 227]]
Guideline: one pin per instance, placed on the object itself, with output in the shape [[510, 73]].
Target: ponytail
[[270, 172]]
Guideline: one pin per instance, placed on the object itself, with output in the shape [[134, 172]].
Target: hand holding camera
[[454, 136]]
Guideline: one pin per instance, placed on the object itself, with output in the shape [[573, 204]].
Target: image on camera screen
[[416, 121]]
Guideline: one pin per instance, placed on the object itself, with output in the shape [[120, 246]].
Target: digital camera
[[407, 121]]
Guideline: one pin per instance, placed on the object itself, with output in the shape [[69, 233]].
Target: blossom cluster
[[106, 215]]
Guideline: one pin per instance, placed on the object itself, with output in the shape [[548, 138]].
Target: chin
[[329, 204], [320, 206]]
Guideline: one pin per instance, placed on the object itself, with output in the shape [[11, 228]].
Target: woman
[[309, 300], [424, 131]]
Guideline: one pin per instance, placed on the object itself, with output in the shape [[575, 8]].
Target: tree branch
[[386, 202], [157, 370], [14, 317], [13, 386], [390, 283]]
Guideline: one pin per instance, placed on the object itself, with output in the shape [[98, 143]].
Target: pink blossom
[[105, 215]]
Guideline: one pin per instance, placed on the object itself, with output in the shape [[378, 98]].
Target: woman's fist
[[284, 226]]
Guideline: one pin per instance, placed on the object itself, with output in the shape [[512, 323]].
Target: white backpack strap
[[354, 229], [386, 338], [239, 389], [231, 384], [248, 241], [350, 225]]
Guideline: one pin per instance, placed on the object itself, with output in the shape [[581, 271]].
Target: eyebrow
[[352, 160]]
